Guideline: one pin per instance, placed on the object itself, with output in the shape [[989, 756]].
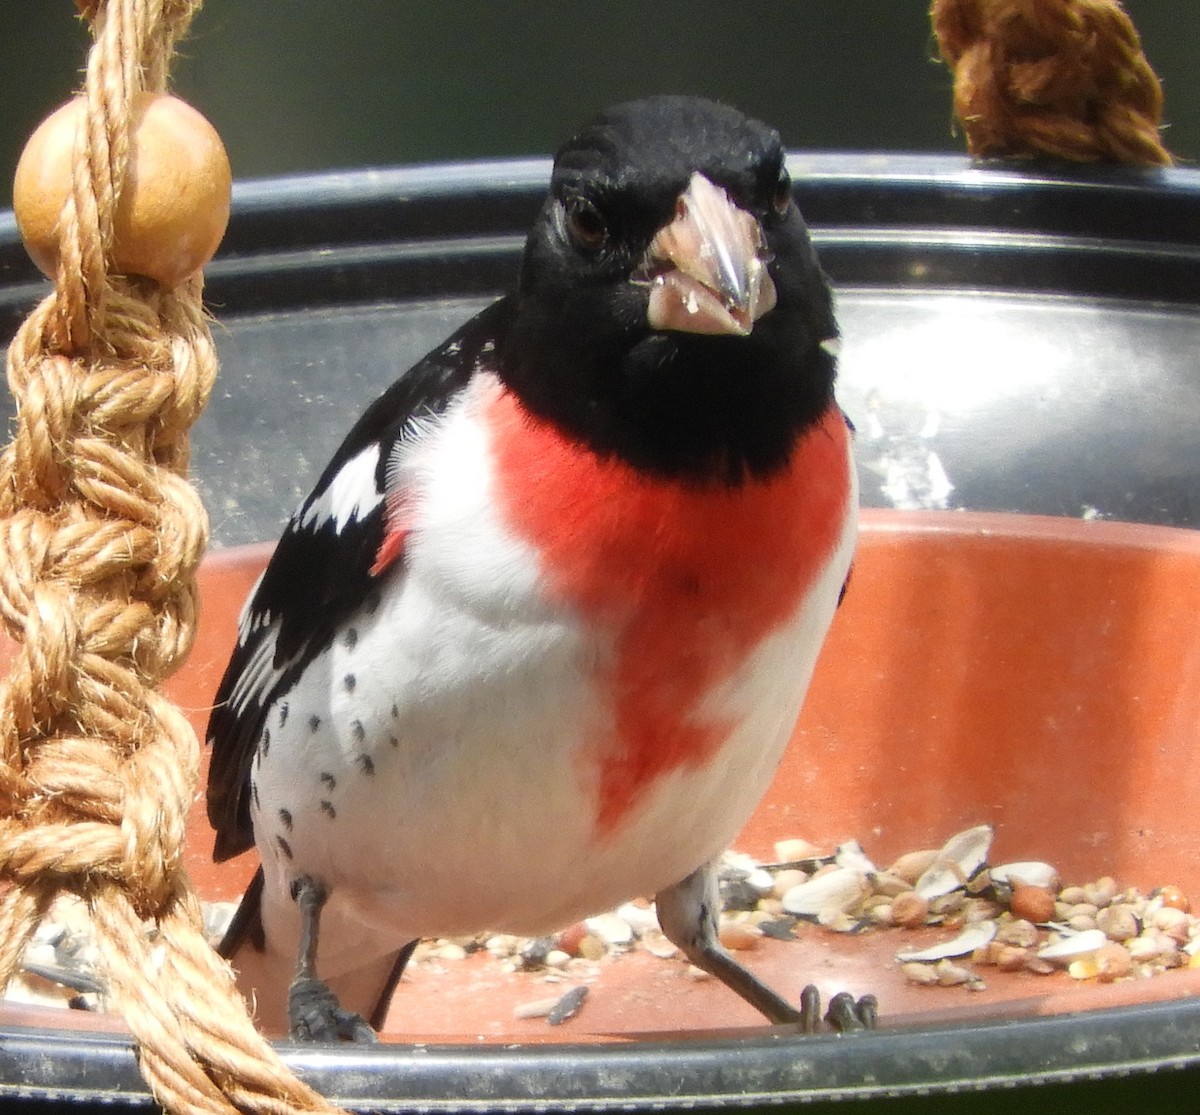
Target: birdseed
[[1093, 930]]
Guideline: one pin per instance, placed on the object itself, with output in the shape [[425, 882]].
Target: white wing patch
[[260, 675], [255, 676], [352, 494], [250, 620]]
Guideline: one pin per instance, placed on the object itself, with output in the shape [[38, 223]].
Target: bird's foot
[[844, 1015], [315, 1015], [687, 914]]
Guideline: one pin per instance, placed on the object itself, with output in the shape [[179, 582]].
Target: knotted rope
[[1059, 78], [100, 537]]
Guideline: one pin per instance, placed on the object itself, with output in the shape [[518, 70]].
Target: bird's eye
[[585, 224], [781, 198]]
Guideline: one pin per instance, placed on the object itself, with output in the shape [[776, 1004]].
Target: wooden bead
[[174, 205]]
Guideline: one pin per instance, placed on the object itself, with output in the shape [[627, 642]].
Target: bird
[[536, 640]]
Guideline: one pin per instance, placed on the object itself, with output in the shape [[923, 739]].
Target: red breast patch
[[688, 578]]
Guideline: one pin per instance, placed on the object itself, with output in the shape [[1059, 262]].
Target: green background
[[299, 85]]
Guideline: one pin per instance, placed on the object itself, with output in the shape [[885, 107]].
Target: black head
[[671, 309]]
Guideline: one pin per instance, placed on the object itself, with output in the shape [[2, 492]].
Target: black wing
[[321, 572]]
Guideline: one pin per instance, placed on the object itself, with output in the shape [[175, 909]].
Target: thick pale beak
[[707, 268]]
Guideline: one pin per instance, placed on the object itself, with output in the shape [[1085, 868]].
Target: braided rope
[[1059, 78], [100, 537]]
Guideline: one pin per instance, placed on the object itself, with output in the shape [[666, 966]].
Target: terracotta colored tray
[[1042, 675], [1039, 674]]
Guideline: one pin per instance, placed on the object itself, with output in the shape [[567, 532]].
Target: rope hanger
[[1062, 79], [100, 537]]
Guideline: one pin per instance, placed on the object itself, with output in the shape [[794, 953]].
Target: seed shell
[[959, 858], [838, 890], [974, 936], [1032, 873], [1074, 944]]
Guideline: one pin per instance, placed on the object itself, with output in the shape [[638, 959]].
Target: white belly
[[437, 769]]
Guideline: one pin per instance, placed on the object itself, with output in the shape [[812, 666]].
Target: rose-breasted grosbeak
[[557, 596]]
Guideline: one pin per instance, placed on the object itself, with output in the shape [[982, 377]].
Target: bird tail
[[246, 925]]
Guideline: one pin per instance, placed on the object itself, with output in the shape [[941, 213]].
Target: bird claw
[[314, 1015], [844, 1015]]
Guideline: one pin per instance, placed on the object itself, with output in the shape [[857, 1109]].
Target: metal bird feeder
[[1018, 646]]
